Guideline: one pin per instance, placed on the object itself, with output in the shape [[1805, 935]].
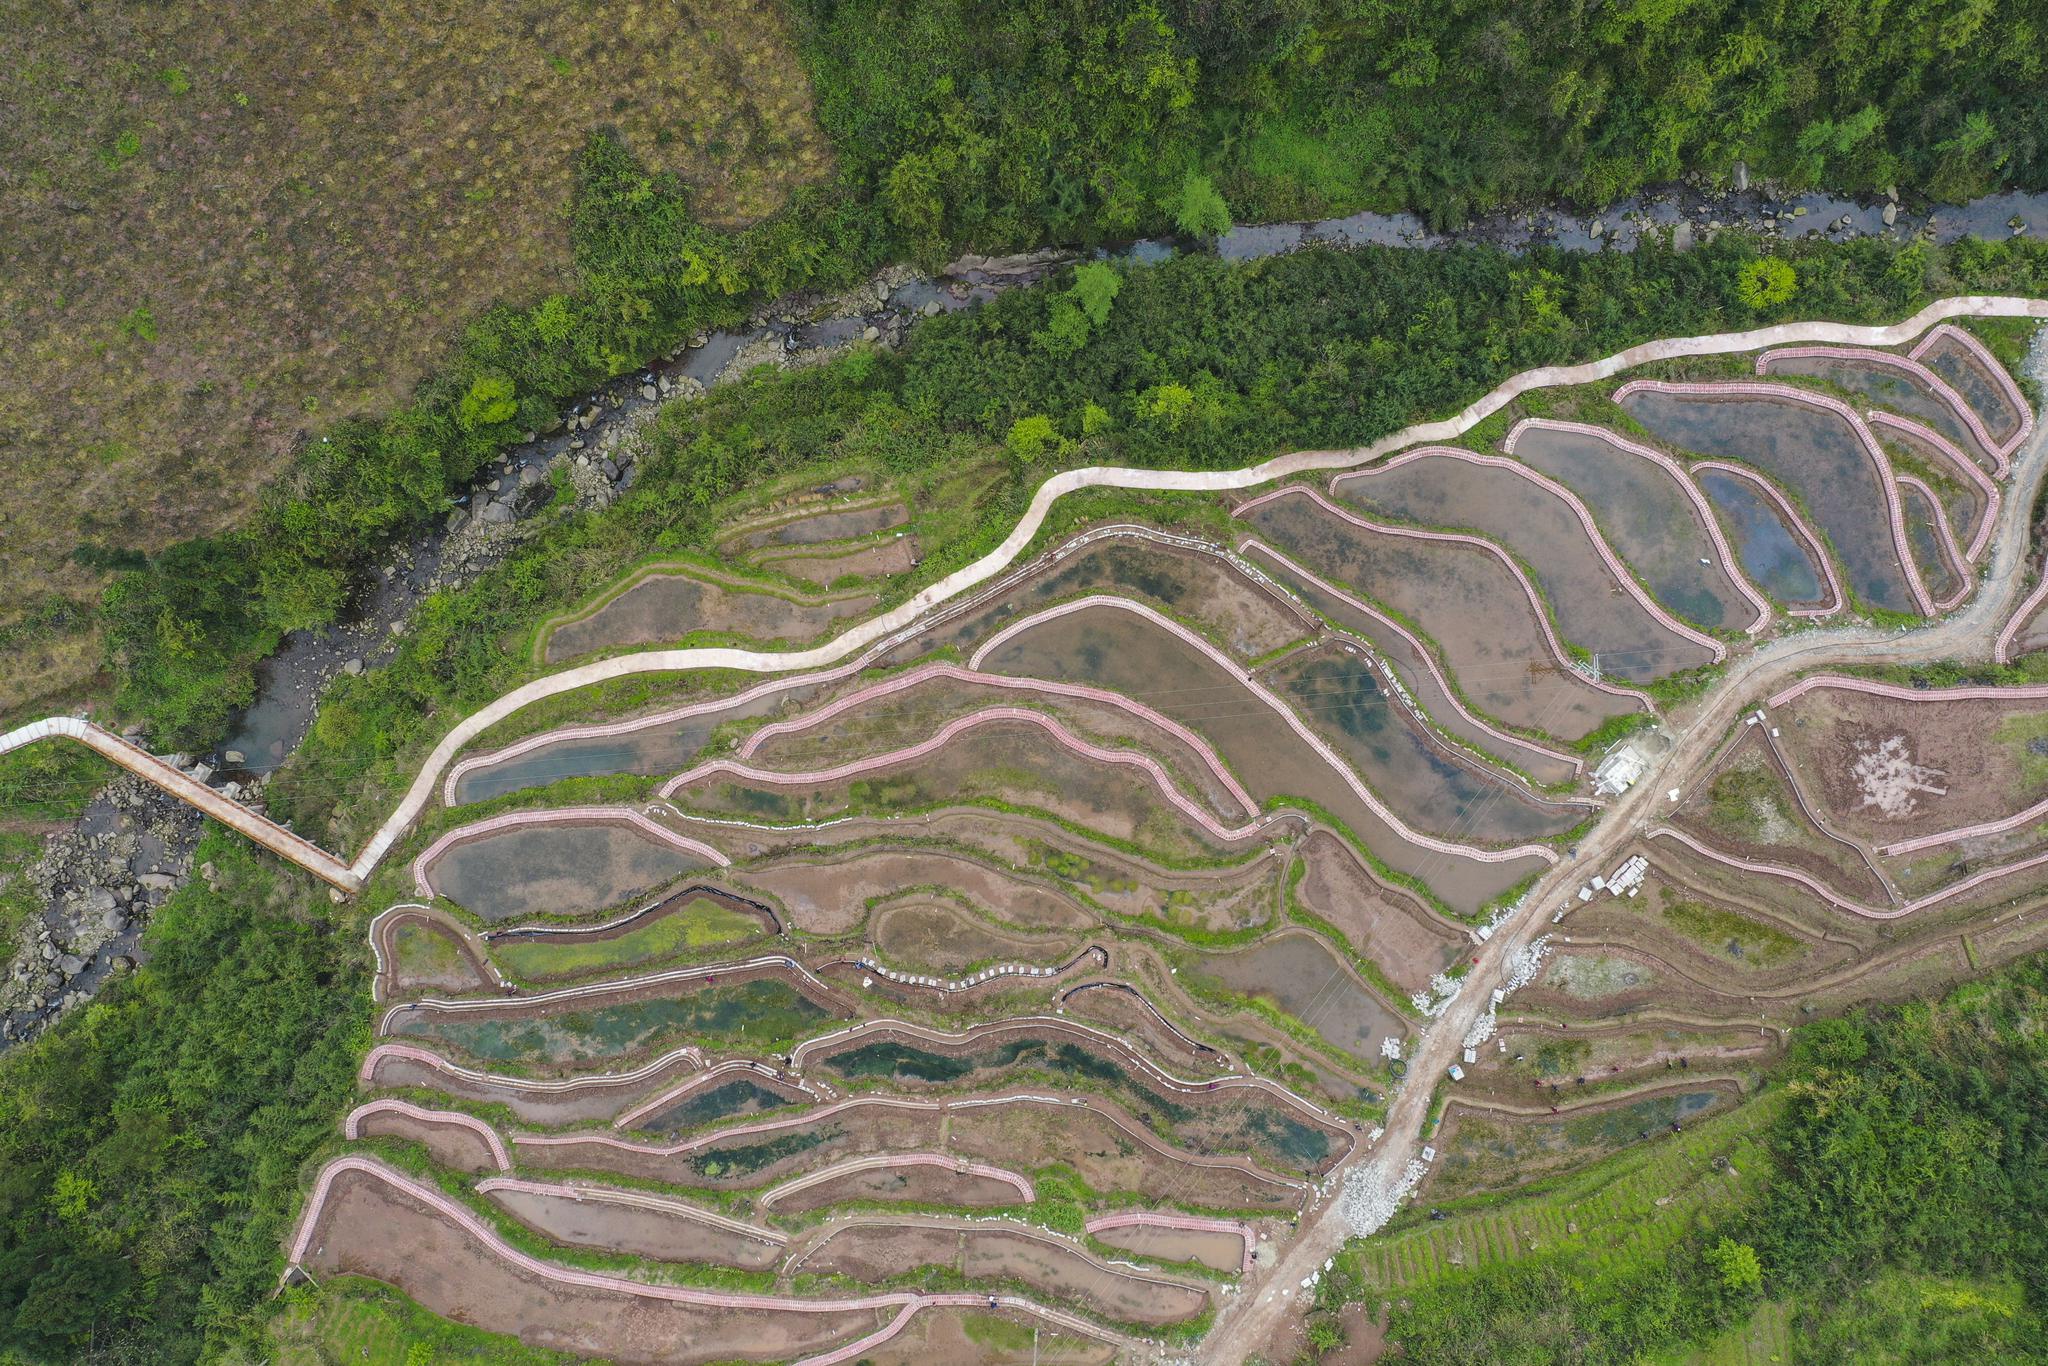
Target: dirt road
[[1250, 1321]]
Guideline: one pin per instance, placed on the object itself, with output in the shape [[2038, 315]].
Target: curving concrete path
[[442, 1205], [849, 643], [352, 1126]]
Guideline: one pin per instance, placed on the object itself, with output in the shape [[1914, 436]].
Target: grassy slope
[[229, 225]]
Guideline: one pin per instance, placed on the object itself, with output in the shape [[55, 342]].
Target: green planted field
[[362, 1322], [1609, 1214], [703, 924]]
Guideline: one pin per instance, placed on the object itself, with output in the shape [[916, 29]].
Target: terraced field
[[1137, 896]]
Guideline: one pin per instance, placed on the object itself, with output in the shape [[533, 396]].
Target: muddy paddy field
[[1054, 945]]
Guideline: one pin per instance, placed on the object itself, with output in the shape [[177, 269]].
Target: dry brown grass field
[[229, 224]]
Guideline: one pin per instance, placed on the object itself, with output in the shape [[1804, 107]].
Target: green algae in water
[[759, 1014]]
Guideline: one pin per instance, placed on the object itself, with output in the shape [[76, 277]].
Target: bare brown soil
[[911, 716], [1113, 1152], [894, 556], [1103, 646], [1050, 1266], [454, 1146], [960, 1337], [1003, 761], [902, 1185], [927, 933], [753, 1160], [816, 528], [1244, 617], [666, 607], [1410, 942], [369, 1230], [582, 1105], [1886, 769], [1124, 1010], [655, 1234], [1217, 1251], [1748, 808], [830, 896]]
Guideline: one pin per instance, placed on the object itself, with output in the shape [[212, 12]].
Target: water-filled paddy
[[1422, 681], [1986, 396], [1500, 504], [1648, 518], [1471, 605], [726, 1100], [1107, 647], [1771, 553], [533, 870], [1815, 454], [1886, 387], [1236, 1119], [1425, 784], [1930, 551]]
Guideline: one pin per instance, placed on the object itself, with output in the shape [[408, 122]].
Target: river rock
[[1595, 229], [1799, 211], [497, 513], [71, 965], [871, 333], [352, 667], [157, 882], [1891, 214], [235, 756], [113, 922]]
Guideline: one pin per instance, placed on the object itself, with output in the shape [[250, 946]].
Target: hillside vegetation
[[1893, 1207], [1063, 119], [229, 225]]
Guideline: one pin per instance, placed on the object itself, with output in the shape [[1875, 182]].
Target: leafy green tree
[[490, 401], [1200, 211], [1737, 1265], [1029, 437], [1766, 283]]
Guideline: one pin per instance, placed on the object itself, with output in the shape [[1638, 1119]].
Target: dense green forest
[[1064, 119], [150, 1144], [1905, 1215], [1074, 121], [1195, 362]]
